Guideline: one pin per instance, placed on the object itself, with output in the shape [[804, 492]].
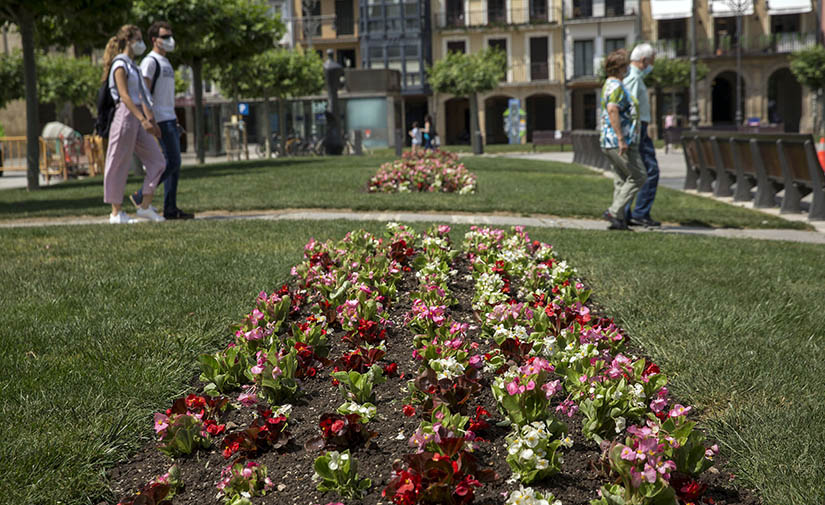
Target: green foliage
[[60, 79], [277, 73], [358, 386], [218, 31], [464, 74], [338, 472], [182, 82], [808, 66], [674, 73]]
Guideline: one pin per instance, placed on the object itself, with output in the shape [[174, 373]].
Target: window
[[673, 33], [538, 11], [724, 34], [611, 45], [614, 8], [344, 17], [496, 11], [311, 14], [455, 13], [582, 8], [456, 46], [786, 23], [376, 57], [539, 70], [583, 58]]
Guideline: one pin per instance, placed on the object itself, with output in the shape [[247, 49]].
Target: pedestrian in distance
[[641, 64], [133, 126], [428, 133], [415, 135], [619, 139], [160, 79]]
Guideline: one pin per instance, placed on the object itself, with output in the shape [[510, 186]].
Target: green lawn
[[102, 326], [522, 187]]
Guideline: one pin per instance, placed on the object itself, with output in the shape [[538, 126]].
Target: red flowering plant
[[446, 476], [355, 313], [159, 491], [428, 171], [455, 393], [447, 342], [267, 431], [340, 432], [441, 424], [360, 360], [367, 332], [189, 424], [274, 374]]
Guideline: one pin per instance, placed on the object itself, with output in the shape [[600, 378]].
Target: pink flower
[[628, 454], [678, 410], [551, 388], [161, 422], [247, 473], [658, 405], [475, 361], [649, 473], [257, 369], [248, 399], [276, 372], [531, 386], [512, 388]]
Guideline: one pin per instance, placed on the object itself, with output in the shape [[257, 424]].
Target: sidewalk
[[672, 173]]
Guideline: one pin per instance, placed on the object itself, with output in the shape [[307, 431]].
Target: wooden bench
[[587, 150], [770, 161], [549, 138]]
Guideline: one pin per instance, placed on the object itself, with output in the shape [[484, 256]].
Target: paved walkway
[[672, 175]]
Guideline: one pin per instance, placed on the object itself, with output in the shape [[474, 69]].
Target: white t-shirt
[[133, 80], [164, 95]]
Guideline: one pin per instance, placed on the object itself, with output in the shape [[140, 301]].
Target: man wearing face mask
[[641, 64], [160, 79]]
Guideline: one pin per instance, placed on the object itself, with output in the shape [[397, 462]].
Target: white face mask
[[168, 45], [138, 47]]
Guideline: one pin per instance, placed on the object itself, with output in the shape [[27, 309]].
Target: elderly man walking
[[641, 64]]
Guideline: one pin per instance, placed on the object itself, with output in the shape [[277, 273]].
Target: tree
[[80, 22], [216, 31], [673, 74], [808, 66], [277, 73], [467, 75]]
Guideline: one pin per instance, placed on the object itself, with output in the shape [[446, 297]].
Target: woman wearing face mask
[[132, 127]]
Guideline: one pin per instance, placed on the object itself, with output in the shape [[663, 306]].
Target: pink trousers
[[127, 137]]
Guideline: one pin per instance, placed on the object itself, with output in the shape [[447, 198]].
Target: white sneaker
[[150, 214], [120, 218]]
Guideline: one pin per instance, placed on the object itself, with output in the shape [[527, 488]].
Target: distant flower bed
[[434, 171]]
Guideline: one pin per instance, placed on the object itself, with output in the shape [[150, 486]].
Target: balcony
[[671, 48], [320, 28], [539, 71], [775, 43], [494, 16]]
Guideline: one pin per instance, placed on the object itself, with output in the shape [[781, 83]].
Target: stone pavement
[[672, 175]]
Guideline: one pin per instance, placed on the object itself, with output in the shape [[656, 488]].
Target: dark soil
[[291, 467]]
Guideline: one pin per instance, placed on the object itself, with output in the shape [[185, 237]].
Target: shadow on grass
[[81, 205], [695, 223]]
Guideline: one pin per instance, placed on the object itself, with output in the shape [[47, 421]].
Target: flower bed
[[405, 369], [424, 170]]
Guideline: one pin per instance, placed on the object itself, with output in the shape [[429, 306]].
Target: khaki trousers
[[629, 175]]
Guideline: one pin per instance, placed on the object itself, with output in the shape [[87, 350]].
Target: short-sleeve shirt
[[615, 93], [133, 81], [163, 97], [416, 135]]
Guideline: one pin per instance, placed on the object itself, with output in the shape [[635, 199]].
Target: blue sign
[[243, 109]]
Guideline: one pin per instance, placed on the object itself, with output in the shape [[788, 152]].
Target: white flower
[[620, 424], [526, 454], [567, 442], [541, 464]]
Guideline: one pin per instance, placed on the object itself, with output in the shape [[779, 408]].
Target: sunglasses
[[165, 37]]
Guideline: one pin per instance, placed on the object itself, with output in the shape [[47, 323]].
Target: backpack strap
[[155, 75]]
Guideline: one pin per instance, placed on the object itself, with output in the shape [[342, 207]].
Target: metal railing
[[323, 27], [775, 43], [537, 14], [539, 71]]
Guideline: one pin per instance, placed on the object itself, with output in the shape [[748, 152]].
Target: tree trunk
[[821, 96], [267, 129], [197, 78], [282, 125], [475, 138], [26, 26]]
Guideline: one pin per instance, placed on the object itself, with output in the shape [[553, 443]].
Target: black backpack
[[106, 106]]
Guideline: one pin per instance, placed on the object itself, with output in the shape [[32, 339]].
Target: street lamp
[[738, 7], [694, 108]]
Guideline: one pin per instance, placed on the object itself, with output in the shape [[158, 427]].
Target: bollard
[[479, 147]]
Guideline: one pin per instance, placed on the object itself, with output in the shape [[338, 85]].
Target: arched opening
[[457, 121], [784, 100], [541, 114], [723, 98], [494, 108]]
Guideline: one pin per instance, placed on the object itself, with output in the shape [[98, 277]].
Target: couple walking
[[144, 123], [625, 140]]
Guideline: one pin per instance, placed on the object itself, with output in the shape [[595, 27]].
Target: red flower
[[194, 401], [391, 369], [214, 428], [338, 427], [650, 369], [231, 449], [311, 372], [409, 410]]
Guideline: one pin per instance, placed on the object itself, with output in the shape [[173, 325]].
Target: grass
[[521, 187], [103, 325]]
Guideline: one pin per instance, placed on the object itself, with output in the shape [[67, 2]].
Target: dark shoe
[[645, 221], [615, 223], [136, 198], [178, 214]]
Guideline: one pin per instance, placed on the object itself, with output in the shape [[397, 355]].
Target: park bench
[[773, 162], [550, 138], [55, 158], [587, 150]]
